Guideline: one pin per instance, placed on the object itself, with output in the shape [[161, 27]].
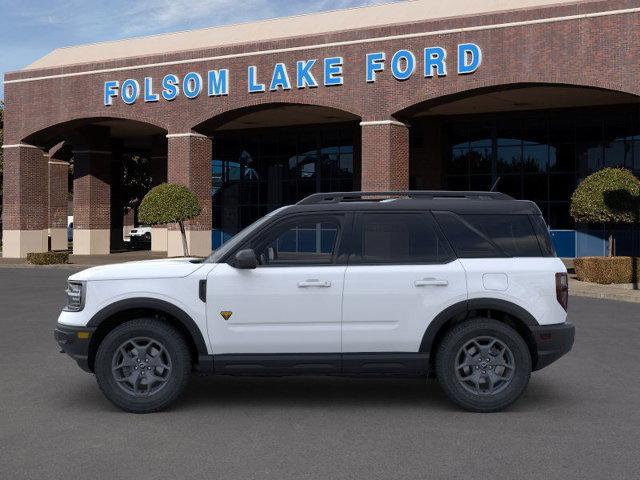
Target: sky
[[29, 29]]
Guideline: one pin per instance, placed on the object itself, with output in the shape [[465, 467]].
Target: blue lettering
[[130, 91], [333, 71], [170, 87], [110, 92], [280, 78], [192, 85], [434, 58], [149, 96], [254, 87], [218, 82], [304, 77], [375, 63], [469, 58], [403, 64]]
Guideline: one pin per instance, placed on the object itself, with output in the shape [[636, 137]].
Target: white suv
[[461, 285]]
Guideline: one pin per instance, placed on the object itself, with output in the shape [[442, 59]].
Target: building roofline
[[282, 28]]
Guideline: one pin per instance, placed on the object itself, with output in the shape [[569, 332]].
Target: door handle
[[314, 283], [426, 282]]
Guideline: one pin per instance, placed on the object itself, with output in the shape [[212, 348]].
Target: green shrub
[[48, 258], [169, 203], [611, 195], [606, 270]]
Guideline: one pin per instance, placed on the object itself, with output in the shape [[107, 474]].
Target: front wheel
[[143, 365], [483, 365]]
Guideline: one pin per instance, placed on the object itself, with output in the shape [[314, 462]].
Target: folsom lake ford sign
[[309, 73]]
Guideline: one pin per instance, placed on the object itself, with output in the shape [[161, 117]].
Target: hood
[[152, 269]]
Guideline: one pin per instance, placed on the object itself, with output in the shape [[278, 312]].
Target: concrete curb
[[623, 293], [61, 266]]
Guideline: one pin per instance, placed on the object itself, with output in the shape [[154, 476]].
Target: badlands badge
[[226, 314]]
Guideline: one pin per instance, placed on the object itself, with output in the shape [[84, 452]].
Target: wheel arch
[[124, 310], [504, 311]]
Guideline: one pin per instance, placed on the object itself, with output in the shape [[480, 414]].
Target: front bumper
[[75, 341], [552, 342]]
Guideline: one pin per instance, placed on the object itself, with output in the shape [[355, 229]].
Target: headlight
[[75, 296]]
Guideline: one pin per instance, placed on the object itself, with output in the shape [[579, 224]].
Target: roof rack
[[337, 197]]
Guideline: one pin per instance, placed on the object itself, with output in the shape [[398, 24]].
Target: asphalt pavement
[[579, 418]]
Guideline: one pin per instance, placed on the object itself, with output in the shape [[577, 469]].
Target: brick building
[[417, 94]]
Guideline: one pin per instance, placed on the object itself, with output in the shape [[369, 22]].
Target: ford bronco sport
[[463, 286]]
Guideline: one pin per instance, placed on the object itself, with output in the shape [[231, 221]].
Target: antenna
[[495, 184]]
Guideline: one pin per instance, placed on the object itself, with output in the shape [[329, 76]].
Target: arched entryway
[[267, 156], [532, 141], [100, 166]]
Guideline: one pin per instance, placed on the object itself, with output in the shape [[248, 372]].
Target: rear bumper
[[75, 341], [552, 342]]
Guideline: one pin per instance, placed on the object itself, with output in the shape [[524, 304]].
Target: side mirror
[[246, 259]]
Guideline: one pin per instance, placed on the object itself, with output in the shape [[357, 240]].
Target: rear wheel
[[483, 365], [143, 365]]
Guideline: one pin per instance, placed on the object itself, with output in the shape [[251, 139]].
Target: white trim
[[20, 145], [331, 44], [100, 152], [58, 162], [383, 122], [190, 134]]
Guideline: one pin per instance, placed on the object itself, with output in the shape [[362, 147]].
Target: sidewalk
[[85, 261], [622, 292]]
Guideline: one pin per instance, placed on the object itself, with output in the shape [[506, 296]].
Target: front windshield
[[239, 237]]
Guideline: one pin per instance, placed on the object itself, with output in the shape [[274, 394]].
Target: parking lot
[[578, 419]]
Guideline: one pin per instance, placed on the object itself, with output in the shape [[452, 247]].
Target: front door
[[291, 303]]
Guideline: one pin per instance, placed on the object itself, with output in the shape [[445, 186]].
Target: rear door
[[401, 274]]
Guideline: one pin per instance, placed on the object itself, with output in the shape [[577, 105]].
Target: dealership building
[[419, 94]]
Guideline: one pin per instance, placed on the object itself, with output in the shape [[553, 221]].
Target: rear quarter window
[[512, 233], [490, 235]]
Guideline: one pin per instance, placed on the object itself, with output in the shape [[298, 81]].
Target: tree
[[611, 195], [170, 203], [136, 180]]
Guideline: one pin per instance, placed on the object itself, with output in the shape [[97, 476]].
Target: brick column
[[116, 239], [58, 190], [158, 175], [92, 192], [25, 211], [189, 164], [385, 155]]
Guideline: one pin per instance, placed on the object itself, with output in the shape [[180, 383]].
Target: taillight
[[562, 289]]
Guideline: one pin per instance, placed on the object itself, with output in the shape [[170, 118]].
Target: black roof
[[457, 202]]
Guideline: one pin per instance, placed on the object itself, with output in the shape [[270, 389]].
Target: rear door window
[[398, 238]]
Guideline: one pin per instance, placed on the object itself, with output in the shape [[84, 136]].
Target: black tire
[[169, 344], [452, 353]]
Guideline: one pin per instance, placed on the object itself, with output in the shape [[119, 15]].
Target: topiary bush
[[611, 195], [48, 258], [169, 203], [606, 270]]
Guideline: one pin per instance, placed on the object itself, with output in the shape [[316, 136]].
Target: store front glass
[[256, 171], [541, 155]]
